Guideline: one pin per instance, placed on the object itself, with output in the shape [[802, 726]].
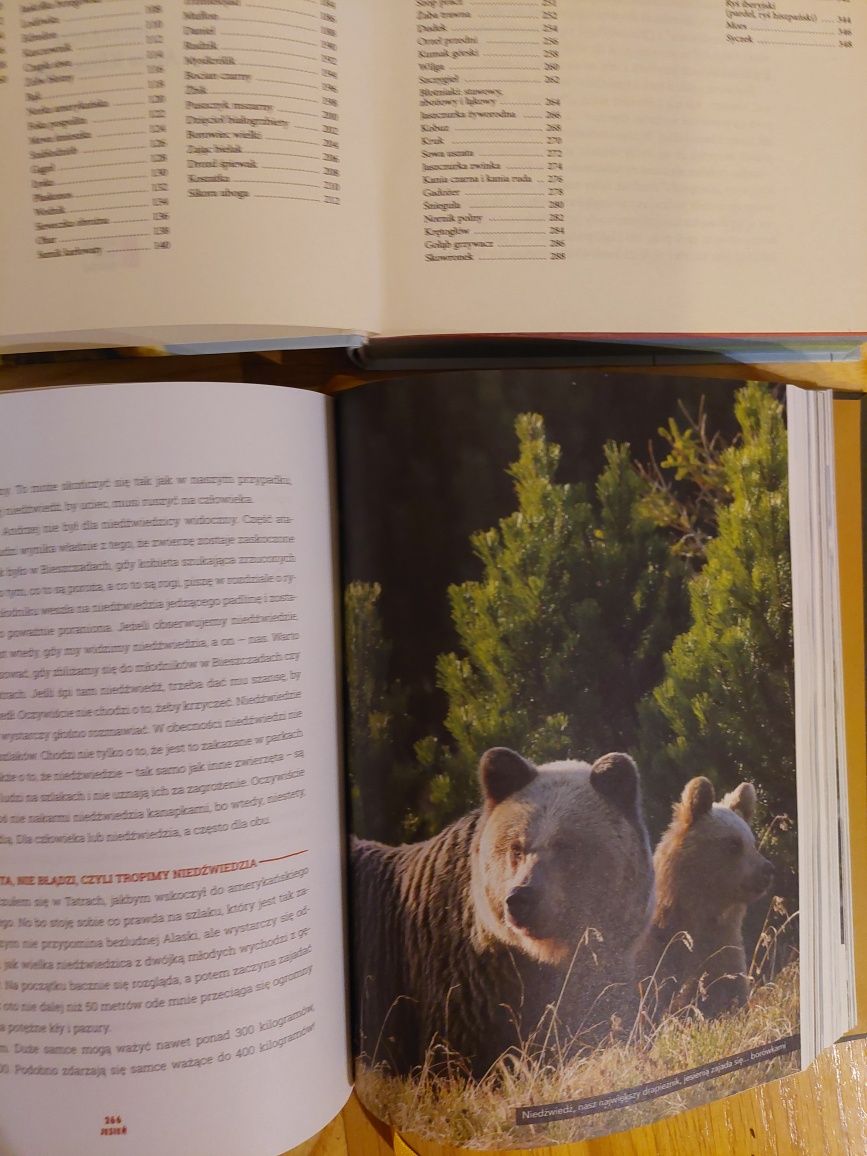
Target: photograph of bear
[[515, 927], [539, 568], [708, 870]]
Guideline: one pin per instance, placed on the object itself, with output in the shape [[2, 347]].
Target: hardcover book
[[312, 169], [475, 740]]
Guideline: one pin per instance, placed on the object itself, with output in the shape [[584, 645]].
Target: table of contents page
[[823, 24], [261, 100], [4, 63], [196, 170], [491, 135], [95, 116], [624, 167]]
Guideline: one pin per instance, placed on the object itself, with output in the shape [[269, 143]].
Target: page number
[[113, 1126]]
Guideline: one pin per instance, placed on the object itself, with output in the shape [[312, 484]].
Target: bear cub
[[537, 900], [708, 870]]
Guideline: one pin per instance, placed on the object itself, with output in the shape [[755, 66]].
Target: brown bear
[[708, 869], [515, 927]]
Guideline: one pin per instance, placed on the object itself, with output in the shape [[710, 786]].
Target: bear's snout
[[522, 904]]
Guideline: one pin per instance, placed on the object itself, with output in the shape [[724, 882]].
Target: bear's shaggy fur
[[537, 899], [708, 870]]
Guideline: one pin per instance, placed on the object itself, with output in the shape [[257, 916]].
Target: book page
[[627, 167], [188, 165], [574, 881], [171, 928]]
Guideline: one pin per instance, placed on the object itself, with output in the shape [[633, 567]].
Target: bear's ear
[[502, 772], [696, 800], [742, 800], [615, 777]]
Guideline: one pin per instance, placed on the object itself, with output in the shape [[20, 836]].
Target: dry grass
[[454, 1109]]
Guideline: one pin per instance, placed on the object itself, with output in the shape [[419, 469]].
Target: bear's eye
[[516, 850]]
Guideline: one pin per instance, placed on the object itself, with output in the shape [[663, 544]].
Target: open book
[[592, 781], [201, 171]]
